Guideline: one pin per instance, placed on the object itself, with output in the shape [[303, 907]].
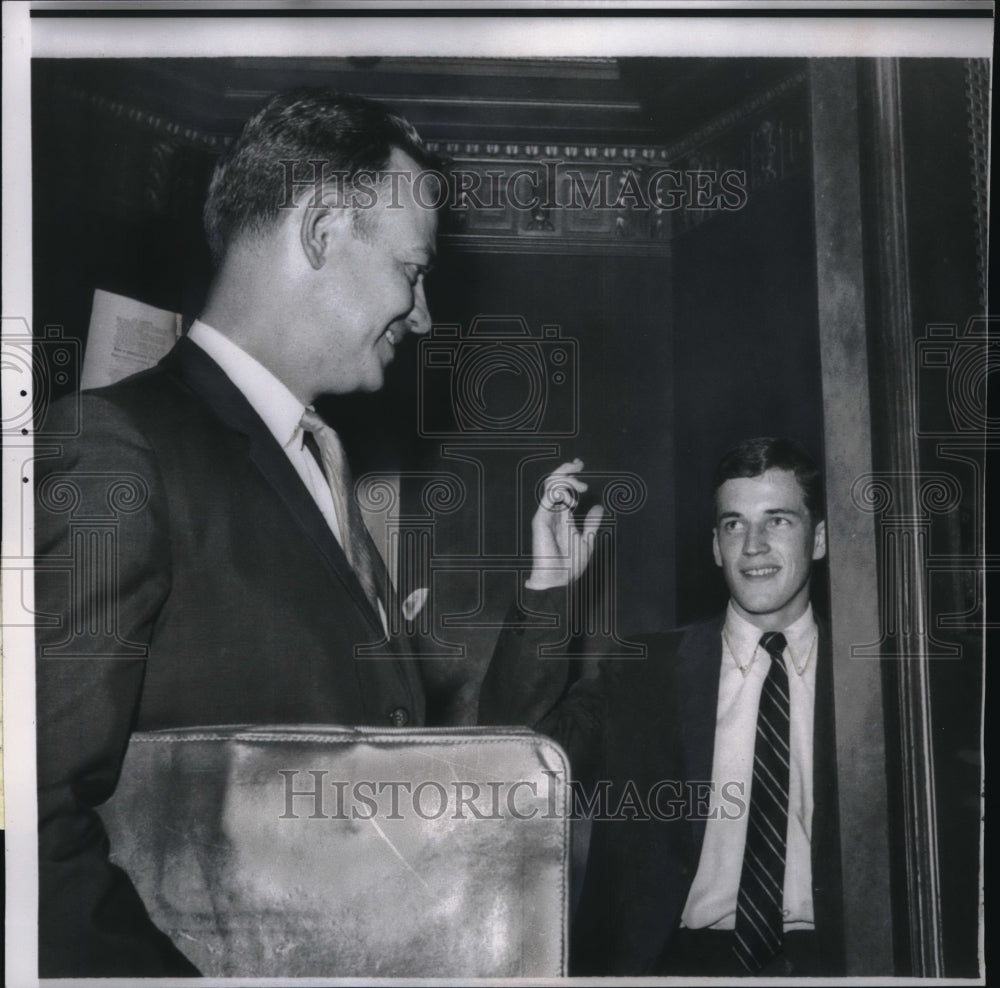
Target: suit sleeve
[[102, 575], [524, 685]]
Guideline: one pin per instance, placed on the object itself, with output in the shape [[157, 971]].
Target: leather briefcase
[[349, 852]]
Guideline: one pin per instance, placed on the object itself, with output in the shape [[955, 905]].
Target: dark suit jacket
[[638, 723], [185, 577]]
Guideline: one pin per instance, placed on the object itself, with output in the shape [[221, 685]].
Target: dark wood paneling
[[746, 358]]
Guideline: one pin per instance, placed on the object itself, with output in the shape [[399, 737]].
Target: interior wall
[[116, 205], [746, 360], [615, 311]]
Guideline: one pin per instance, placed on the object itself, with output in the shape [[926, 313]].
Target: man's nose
[[755, 541], [419, 319]]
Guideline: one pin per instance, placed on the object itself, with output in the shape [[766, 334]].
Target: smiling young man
[[243, 580], [766, 538], [716, 851]]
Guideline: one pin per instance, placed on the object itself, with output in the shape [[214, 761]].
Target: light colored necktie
[[356, 540], [759, 927]]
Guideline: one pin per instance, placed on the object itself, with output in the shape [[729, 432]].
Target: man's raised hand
[[560, 548]]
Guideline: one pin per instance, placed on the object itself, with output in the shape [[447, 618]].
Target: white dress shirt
[[711, 903], [280, 410]]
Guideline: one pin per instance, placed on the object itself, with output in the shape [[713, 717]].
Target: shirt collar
[[743, 640], [280, 410]]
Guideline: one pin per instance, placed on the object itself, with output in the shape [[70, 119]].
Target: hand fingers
[[564, 490], [561, 488], [572, 466], [592, 522], [564, 482]]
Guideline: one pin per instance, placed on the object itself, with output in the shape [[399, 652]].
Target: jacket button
[[400, 717]]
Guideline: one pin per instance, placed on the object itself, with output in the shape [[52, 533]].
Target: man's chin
[[757, 607], [368, 385], [374, 379]]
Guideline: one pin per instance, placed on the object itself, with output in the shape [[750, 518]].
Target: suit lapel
[[697, 670], [698, 663], [207, 380], [655, 860]]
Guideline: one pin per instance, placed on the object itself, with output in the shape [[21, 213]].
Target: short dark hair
[[349, 133], [753, 457]]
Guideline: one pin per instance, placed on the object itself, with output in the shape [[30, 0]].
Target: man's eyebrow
[[767, 511]]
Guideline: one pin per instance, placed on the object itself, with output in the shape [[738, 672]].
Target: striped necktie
[[356, 540], [762, 881]]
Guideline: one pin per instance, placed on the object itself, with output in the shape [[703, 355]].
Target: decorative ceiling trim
[[716, 127], [583, 195], [153, 122], [480, 102], [480, 244], [521, 68], [540, 196]]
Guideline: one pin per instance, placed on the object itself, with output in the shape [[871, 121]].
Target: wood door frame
[[878, 585], [861, 767]]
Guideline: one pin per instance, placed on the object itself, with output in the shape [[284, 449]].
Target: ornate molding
[[167, 129], [530, 196], [718, 126], [551, 196], [647, 153], [126, 161], [561, 246], [482, 150]]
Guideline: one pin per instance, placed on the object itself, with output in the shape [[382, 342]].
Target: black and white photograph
[[496, 491]]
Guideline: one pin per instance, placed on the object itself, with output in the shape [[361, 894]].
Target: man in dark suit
[[710, 765], [229, 582]]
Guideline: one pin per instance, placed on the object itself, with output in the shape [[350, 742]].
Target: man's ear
[[715, 547], [819, 541], [319, 229]]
